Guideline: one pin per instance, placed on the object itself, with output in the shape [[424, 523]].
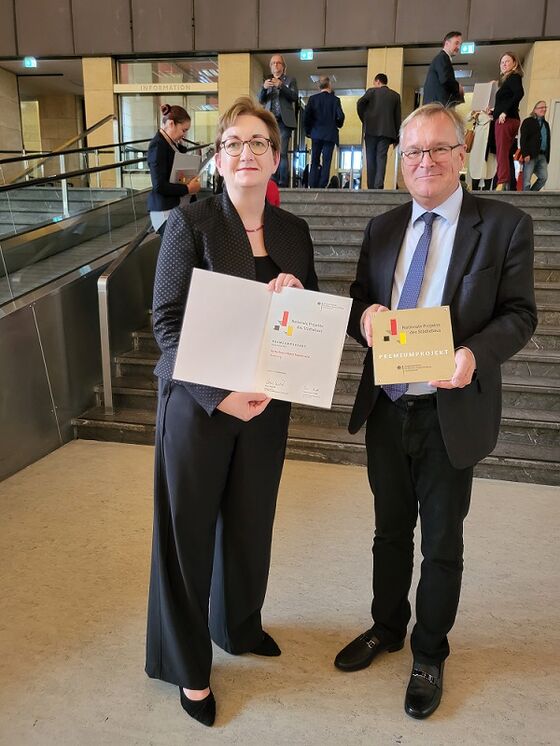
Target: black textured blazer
[[164, 195], [209, 234]]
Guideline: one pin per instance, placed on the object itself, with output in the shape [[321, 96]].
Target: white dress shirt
[[437, 263]]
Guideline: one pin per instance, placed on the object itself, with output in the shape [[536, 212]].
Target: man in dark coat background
[[440, 82], [279, 94], [380, 112], [535, 147], [323, 118]]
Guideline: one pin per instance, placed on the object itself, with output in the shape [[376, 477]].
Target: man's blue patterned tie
[[411, 288]]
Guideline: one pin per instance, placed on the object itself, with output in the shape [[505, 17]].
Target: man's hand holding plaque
[[415, 345]]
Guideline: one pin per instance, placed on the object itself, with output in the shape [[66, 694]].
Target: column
[[99, 78]]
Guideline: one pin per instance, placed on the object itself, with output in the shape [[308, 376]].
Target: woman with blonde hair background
[[219, 454], [506, 114]]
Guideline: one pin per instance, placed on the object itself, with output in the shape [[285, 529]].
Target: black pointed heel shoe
[[267, 646], [203, 710]]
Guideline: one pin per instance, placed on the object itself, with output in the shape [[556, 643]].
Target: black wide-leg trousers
[[216, 482], [410, 474]]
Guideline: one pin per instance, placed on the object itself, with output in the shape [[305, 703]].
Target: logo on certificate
[[283, 324]]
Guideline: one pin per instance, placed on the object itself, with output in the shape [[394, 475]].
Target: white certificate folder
[[240, 336]]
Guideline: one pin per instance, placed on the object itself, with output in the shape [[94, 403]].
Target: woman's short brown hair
[[245, 105]]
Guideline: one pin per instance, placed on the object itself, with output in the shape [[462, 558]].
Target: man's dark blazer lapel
[[467, 237], [387, 254]]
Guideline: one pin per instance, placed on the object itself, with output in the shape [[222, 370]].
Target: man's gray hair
[[432, 110]]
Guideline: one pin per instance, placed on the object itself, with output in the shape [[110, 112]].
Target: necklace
[[254, 230]]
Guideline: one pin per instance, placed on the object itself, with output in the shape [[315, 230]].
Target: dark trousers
[[476, 184], [410, 474], [376, 158], [319, 172], [216, 481], [282, 173]]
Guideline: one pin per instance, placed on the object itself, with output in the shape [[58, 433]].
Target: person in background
[[482, 162], [164, 196], [445, 247], [379, 110], [440, 84], [535, 147], [322, 119], [334, 183], [506, 116], [219, 454], [279, 94]]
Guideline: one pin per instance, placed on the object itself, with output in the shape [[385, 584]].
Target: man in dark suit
[[535, 147], [440, 82], [323, 118], [446, 247], [279, 94], [380, 112]]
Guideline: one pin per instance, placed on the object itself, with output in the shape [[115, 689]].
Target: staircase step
[[124, 426], [546, 338], [518, 463], [549, 314], [528, 363], [547, 243], [547, 292], [547, 273]]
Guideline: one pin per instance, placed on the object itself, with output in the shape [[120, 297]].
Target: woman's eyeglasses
[[258, 146]]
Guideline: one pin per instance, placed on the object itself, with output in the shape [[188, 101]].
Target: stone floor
[[74, 554]]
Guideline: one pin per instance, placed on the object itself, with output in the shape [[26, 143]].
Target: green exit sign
[[306, 54], [467, 47]]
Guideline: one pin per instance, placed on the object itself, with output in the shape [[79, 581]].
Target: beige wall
[[542, 75], [99, 78], [10, 123], [239, 75], [60, 119]]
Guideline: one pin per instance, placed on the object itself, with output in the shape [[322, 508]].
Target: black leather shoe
[[267, 646], [424, 690], [203, 710], [360, 652]]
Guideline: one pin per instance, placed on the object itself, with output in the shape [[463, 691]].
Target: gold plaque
[[413, 345]]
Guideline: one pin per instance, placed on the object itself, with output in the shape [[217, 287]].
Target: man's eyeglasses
[[258, 146], [438, 154]]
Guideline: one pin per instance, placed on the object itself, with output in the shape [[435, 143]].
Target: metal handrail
[[103, 300], [90, 148], [68, 175], [80, 136], [81, 172]]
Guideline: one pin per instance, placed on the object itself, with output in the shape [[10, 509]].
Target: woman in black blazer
[[219, 454], [506, 114], [161, 151]]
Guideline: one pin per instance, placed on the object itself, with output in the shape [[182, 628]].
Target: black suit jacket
[[440, 82], [323, 117], [288, 97], [380, 112], [209, 234], [489, 288], [164, 195], [530, 138]]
